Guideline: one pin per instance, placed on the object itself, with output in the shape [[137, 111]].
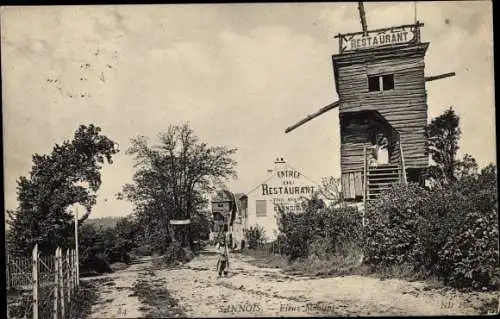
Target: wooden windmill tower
[[380, 80]]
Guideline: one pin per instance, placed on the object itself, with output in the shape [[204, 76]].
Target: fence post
[[67, 276], [56, 287], [60, 285], [70, 269], [35, 282], [73, 271], [73, 266]]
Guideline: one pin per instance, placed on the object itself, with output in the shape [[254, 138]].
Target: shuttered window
[[261, 208]]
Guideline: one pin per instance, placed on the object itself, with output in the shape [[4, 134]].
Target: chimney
[[279, 163]]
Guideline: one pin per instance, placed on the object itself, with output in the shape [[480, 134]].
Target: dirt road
[[253, 291]]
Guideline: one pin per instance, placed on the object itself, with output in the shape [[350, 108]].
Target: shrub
[[450, 231], [319, 231], [100, 247], [255, 236], [469, 256], [392, 227], [160, 242], [175, 253], [143, 250]]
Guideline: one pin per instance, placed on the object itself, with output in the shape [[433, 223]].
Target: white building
[[283, 186]]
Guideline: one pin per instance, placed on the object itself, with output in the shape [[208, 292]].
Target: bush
[[393, 224], [255, 236], [160, 242], [143, 250], [177, 254], [450, 231], [100, 247], [469, 256], [95, 263], [319, 231]]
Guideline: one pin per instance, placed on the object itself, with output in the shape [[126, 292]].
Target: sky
[[238, 73]]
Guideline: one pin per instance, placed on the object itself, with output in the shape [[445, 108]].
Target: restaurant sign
[[379, 38], [289, 190]]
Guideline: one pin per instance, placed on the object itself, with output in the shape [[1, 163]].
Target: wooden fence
[[46, 284]]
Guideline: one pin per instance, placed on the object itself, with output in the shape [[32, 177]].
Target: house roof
[[222, 196]]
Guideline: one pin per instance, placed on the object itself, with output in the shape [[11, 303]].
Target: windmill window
[[388, 82], [380, 82], [373, 83]]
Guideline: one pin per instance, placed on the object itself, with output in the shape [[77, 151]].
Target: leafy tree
[[173, 176], [466, 167], [331, 189], [442, 135], [52, 186], [126, 231]]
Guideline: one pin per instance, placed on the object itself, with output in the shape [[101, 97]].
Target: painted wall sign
[[379, 38], [288, 189]]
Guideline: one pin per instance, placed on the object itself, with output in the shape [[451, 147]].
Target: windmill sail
[[314, 115], [336, 103], [438, 77]]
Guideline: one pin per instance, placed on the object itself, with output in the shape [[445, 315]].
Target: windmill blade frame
[[337, 103]]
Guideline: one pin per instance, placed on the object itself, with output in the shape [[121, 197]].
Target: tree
[[467, 166], [173, 176], [442, 135], [330, 188], [52, 186]]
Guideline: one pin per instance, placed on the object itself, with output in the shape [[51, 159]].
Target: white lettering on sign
[[360, 41]]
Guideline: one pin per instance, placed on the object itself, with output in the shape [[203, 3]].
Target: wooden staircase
[[380, 178]]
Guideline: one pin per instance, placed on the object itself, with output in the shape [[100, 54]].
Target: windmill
[[336, 103], [380, 80]]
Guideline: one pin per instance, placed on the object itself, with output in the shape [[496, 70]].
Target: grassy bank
[[313, 266], [86, 296], [335, 266]]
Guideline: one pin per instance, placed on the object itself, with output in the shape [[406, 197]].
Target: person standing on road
[[223, 261]]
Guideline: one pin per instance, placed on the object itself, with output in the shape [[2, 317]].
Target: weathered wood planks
[[404, 107]]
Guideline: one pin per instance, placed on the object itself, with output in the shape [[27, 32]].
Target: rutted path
[[116, 297], [253, 291]]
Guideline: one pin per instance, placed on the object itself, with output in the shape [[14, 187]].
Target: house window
[[380, 82], [261, 208]]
